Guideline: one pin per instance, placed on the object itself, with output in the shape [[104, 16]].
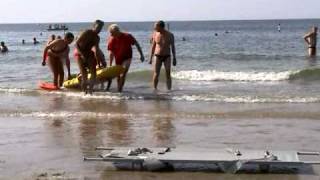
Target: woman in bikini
[[54, 53]]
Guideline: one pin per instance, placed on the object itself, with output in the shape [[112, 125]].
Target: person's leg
[[167, 66], [92, 68], [156, 72], [122, 79], [83, 72], [60, 72], [312, 52], [53, 66], [109, 84]]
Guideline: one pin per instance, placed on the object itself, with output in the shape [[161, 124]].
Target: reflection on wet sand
[[106, 131], [163, 129], [90, 134]]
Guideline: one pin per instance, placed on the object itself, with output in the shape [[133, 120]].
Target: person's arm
[[139, 50], [153, 47], [306, 38], [173, 48], [45, 52], [68, 63], [111, 57], [78, 47], [100, 57]]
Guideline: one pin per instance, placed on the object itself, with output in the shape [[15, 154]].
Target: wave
[[16, 90], [190, 97], [247, 99], [306, 74], [213, 75], [68, 114]]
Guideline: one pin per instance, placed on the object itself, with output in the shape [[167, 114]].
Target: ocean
[[238, 84]]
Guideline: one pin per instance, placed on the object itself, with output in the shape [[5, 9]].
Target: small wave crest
[[15, 90], [246, 99], [193, 98], [212, 75], [306, 74], [67, 114]]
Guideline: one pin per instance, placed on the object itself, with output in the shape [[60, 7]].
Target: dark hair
[[2, 43], [99, 23], [69, 35], [161, 24]]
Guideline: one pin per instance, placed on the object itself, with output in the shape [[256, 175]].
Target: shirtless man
[[87, 47], [311, 40], [120, 49], [161, 47], [55, 53]]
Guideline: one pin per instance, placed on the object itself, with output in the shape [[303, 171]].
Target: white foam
[[246, 99], [66, 114], [14, 90], [109, 96], [213, 75]]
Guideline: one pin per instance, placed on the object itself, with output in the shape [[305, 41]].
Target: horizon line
[[139, 21]]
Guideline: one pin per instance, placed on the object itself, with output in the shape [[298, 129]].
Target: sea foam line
[[66, 114], [246, 99], [213, 75], [193, 98], [14, 90]]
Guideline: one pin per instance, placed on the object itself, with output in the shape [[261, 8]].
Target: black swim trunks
[[162, 58]]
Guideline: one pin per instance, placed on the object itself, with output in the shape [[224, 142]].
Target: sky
[[41, 11]]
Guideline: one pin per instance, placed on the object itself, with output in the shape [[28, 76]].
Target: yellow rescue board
[[102, 75]]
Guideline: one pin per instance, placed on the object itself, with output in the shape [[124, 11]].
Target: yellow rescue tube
[[102, 75]]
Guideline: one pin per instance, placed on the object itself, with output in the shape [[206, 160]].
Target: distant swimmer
[[279, 27], [56, 53], [3, 48], [184, 39], [120, 48], [85, 56], [162, 45], [311, 40], [23, 41], [35, 41]]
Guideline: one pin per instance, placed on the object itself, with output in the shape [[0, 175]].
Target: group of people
[[89, 56]]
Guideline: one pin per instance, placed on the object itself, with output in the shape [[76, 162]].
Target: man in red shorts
[[120, 48], [87, 49]]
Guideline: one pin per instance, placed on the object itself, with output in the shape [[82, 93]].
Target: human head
[[69, 37], [2, 43], [159, 26], [53, 37], [97, 26], [114, 30], [34, 39], [315, 29]]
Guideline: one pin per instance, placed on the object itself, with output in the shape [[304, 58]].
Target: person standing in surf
[[161, 47], [120, 48], [87, 47], [311, 40], [55, 53]]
